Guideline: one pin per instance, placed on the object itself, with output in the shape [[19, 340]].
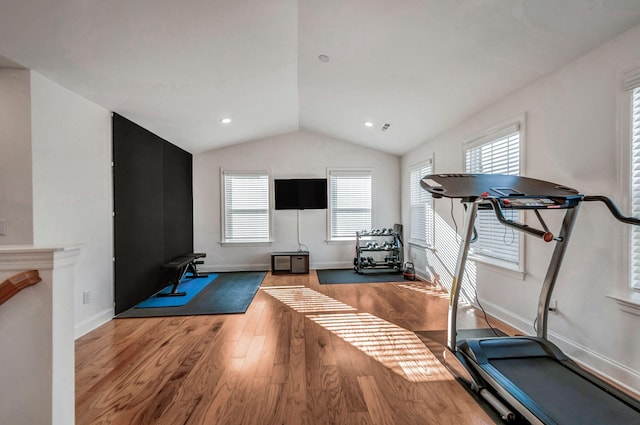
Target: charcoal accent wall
[[153, 203]]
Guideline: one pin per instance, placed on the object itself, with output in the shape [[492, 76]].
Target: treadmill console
[[514, 192]]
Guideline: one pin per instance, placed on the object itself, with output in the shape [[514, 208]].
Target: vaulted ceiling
[[178, 67]]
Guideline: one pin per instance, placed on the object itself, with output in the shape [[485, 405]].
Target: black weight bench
[[181, 266]]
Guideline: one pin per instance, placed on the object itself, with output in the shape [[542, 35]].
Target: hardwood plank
[[266, 407], [223, 392], [284, 338], [351, 391], [335, 404], [266, 361], [296, 382], [252, 319], [243, 397], [377, 404], [198, 389], [164, 399]]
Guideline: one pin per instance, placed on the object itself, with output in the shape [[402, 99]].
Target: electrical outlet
[[553, 306], [86, 297]]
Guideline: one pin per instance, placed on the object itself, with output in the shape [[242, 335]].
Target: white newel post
[[37, 353]]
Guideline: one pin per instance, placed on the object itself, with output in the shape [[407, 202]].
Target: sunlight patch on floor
[[396, 348], [306, 300], [425, 290]]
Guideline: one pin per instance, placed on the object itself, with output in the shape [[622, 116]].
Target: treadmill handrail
[[495, 204], [613, 208]]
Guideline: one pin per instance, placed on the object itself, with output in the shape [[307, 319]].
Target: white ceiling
[[177, 67]]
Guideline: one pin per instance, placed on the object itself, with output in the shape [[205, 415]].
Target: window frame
[[490, 135], [345, 172], [429, 239], [630, 82], [223, 208]]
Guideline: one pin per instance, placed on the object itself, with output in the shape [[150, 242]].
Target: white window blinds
[[350, 203], [246, 207], [496, 154], [635, 185], [421, 205]]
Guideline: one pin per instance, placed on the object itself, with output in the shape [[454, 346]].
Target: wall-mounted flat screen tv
[[300, 194]]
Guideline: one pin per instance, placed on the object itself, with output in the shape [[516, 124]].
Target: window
[[497, 153], [631, 108], [245, 200], [349, 203], [634, 90], [421, 205]]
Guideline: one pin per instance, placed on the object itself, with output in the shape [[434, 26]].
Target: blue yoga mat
[[189, 285]]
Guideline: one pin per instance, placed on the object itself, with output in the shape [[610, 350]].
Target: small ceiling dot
[[368, 124], [323, 58], [225, 120]]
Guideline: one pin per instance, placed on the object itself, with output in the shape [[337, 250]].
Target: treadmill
[[526, 378]]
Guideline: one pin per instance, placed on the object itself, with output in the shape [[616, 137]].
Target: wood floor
[[303, 354]]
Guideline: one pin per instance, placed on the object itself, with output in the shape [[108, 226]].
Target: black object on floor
[[230, 293], [335, 276]]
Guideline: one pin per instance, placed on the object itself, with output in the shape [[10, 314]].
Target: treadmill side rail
[[454, 296], [454, 363], [554, 269]]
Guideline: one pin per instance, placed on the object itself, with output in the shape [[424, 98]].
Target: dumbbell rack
[[390, 243]]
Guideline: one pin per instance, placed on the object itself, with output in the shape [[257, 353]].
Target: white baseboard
[[93, 322], [235, 268], [605, 366], [333, 265], [520, 323]]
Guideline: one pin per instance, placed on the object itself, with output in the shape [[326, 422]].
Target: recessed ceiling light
[[368, 124], [225, 120], [323, 58]]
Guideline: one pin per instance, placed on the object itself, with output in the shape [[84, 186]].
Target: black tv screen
[[300, 194]]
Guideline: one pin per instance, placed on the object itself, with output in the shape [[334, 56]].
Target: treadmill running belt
[[564, 396]]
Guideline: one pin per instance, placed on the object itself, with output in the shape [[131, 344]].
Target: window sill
[[247, 243], [629, 302]]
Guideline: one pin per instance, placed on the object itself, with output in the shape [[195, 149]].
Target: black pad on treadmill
[[485, 349], [511, 347], [479, 333], [471, 186]]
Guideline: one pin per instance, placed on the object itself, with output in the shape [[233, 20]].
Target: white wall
[[72, 191], [298, 154], [573, 137], [16, 207], [37, 383]]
